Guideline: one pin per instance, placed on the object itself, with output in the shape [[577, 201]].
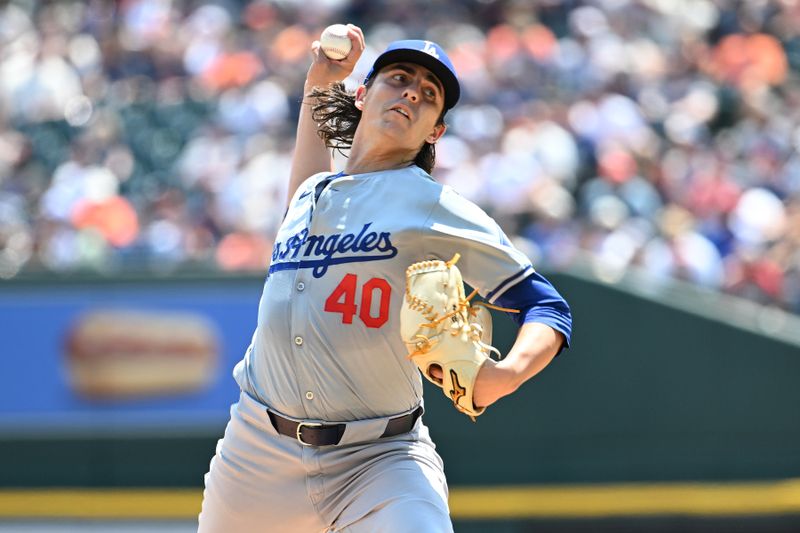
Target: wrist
[[309, 86], [512, 376], [322, 83]]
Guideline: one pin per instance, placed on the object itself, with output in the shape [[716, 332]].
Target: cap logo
[[430, 49]]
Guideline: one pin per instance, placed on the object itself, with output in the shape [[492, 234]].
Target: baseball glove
[[441, 328]]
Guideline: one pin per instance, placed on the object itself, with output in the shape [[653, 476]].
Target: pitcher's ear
[[436, 134], [361, 94]]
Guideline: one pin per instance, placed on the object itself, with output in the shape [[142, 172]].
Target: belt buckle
[[300, 427]]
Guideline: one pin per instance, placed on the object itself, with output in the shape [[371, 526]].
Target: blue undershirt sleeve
[[538, 301]]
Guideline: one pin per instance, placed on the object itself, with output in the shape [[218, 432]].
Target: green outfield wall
[[660, 384]]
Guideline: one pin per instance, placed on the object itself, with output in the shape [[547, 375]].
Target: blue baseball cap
[[428, 54]]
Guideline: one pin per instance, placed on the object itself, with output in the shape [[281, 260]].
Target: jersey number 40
[[343, 300]]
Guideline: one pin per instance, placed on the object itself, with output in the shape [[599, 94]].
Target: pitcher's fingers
[[356, 37]]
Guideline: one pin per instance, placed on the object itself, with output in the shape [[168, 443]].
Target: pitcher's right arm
[[310, 153]]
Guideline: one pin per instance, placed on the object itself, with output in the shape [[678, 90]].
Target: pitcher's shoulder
[[417, 181]]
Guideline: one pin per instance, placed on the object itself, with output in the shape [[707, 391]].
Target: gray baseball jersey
[[327, 344]]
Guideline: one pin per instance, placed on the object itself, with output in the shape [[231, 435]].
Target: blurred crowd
[[157, 134]]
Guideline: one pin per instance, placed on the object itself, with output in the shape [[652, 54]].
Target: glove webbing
[[462, 305]]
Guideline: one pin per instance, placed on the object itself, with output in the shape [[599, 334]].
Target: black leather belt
[[314, 434]]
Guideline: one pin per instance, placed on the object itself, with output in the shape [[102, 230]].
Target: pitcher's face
[[404, 102]]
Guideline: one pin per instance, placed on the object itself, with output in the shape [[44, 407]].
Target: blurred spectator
[[154, 134]]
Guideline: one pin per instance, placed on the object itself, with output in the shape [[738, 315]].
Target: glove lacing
[[472, 330]]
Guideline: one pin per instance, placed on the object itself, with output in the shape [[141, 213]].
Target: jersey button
[[298, 340], [309, 395], [301, 286]]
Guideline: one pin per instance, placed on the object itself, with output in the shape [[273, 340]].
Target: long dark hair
[[337, 118]]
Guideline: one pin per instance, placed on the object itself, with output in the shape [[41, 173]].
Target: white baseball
[[334, 42]]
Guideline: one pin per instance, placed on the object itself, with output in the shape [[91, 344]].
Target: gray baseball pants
[[261, 481]]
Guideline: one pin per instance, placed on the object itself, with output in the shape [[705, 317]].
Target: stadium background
[[644, 153]]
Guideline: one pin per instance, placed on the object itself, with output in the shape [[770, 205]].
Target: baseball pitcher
[[364, 295]]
